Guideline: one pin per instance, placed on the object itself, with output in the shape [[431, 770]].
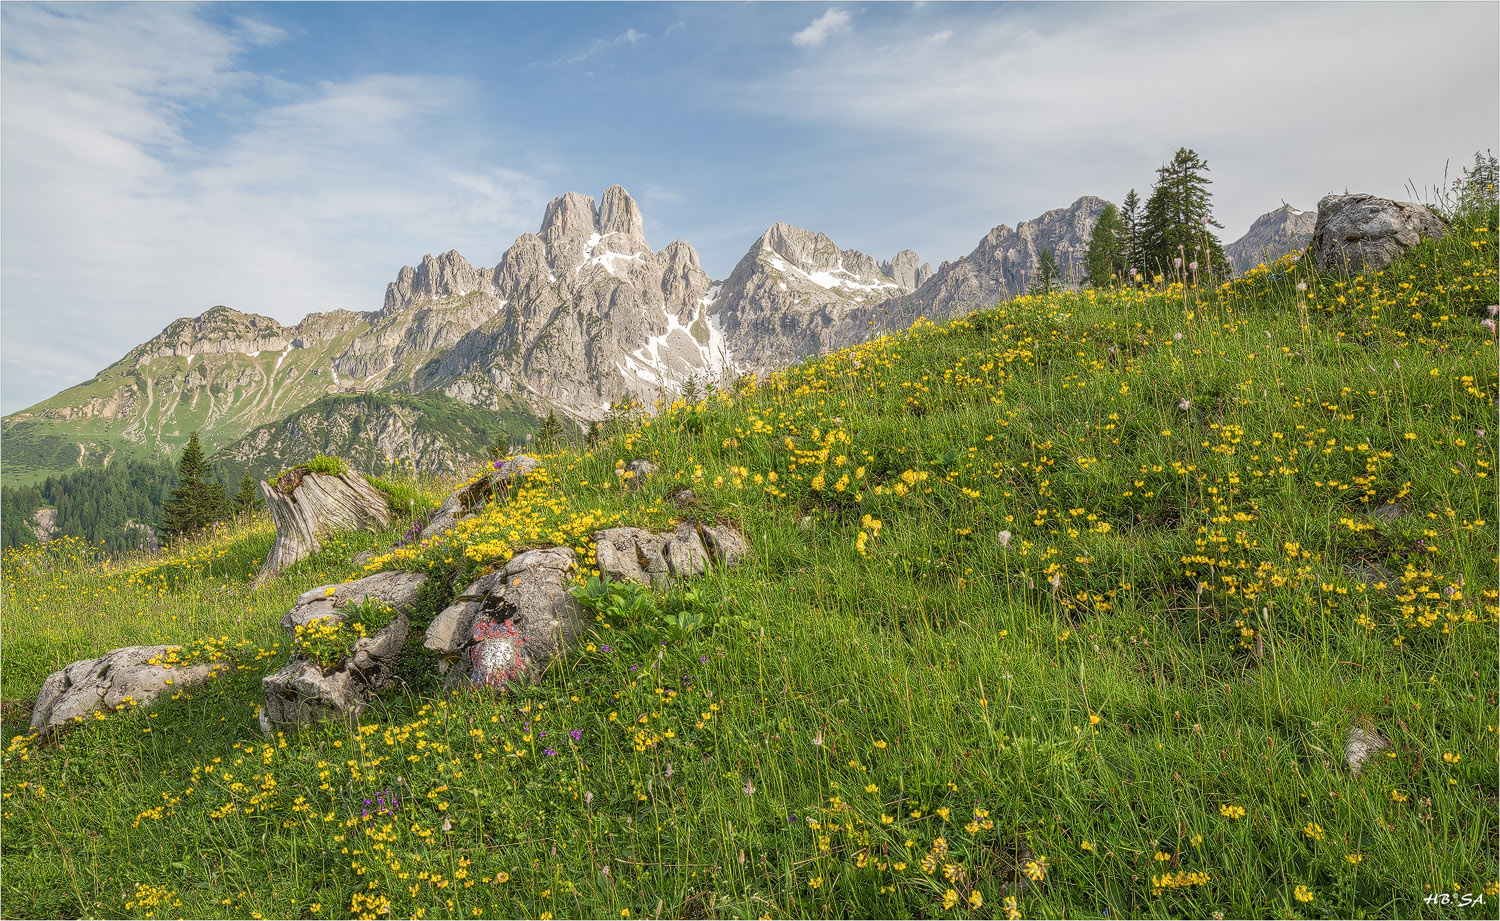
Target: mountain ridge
[[572, 318]]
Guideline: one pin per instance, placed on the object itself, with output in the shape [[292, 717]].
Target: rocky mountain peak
[[618, 213], [907, 270], [437, 277], [1272, 235], [570, 216]]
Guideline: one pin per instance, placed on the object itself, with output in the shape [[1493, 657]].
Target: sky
[[159, 159]]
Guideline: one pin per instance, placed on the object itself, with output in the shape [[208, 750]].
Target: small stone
[[1390, 511], [643, 470], [1361, 744]]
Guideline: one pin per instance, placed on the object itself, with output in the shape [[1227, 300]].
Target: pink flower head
[[1177, 263], [1193, 266]]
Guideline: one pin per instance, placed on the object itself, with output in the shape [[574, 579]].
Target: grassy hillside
[[1060, 609]]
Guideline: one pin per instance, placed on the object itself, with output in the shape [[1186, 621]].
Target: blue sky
[[158, 159]]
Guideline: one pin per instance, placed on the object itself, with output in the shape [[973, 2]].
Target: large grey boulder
[[508, 626], [397, 589], [304, 692], [130, 675], [1357, 233], [470, 497]]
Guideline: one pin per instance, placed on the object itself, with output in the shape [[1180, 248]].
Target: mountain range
[[572, 319]]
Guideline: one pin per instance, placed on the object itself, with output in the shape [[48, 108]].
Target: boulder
[[307, 507], [637, 555], [471, 496], [132, 674], [509, 626], [630, 555], [1357, 233], [397, 589], [304, 692]]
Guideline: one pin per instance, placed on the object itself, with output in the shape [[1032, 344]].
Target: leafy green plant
[[328, 643]]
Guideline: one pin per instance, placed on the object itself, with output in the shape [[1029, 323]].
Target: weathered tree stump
[[307, 507]]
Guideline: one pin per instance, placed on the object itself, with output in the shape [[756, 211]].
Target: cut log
[[307, 507]]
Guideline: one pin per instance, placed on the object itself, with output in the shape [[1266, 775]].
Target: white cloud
[[1027, 109], [601, 45], [121, 214], [817, 32]]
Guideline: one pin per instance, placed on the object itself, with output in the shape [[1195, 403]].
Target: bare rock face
[[304, 692], [637, 555], [1357, 233], [508, 626], [306, 507], [1271, 236], [468, 498], [397, 589], [132, 674], [907, 270]]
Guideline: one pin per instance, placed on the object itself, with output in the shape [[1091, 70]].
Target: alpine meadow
[[1117, 566]]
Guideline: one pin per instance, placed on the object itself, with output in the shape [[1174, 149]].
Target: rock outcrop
[[1357, 233], [131, 675], [508, 626], [303, 691], [637, 555], [1272, 236]]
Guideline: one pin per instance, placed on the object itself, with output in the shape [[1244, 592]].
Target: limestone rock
[[397, 589], [304, 692], [131, 673], [643, 470], [1357, 233], [307, 507], [509, 626], [630, 555], [448, 634], [684, 552], [727, 546], [1361, 744], [637, 555]]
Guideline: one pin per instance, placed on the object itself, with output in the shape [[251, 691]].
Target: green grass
[[1126, 582]]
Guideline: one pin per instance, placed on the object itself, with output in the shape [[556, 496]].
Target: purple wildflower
[[577, 734], [549, 752]]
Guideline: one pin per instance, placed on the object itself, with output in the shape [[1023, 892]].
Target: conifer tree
[[1130, 221], [550, 435], [1176, 227], [1047, 275], [1105, 262], [246, 499], [198, 500]]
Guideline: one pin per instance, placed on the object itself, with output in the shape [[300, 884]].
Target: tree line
[[109, 506]]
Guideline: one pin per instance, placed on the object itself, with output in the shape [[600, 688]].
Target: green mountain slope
[[428, 433]]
